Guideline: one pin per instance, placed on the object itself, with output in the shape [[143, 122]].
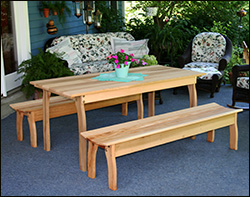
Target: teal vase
[[122, 71]]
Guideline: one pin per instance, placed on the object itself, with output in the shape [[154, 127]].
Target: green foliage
[[149, 59], [177, 22], [112, 20], [44, 65], [236, 59], [62, 11]]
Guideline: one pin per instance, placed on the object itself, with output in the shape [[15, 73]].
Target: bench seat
[[129, 137], [60, 106]]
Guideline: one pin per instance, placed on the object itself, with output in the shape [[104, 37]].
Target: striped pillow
[[138, 47]]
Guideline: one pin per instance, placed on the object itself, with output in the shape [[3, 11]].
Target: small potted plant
[[61, 9], [44, 65], [121, 61], [45, 7]]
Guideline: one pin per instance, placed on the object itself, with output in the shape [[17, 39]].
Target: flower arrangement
[[121, 58]]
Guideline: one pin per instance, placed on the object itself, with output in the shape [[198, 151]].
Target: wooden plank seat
[[129, 137], [61, 106]]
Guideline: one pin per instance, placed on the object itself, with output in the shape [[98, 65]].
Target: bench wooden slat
[[126, 138], [141, 128], [61, 106]]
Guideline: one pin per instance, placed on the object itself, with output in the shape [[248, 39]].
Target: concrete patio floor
[[14, 96]]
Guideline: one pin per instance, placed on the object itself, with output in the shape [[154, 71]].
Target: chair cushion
[[91, 67], [208, 47], [205, 67], [243, 82], [93, 47]]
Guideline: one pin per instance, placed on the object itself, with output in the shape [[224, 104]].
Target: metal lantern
[[97, 18], [78, 8], [241, 13], [88, 14]]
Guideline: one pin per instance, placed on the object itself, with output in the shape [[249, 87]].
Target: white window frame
[[22, 39]]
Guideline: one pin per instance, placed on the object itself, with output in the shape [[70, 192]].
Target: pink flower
[[126, 57], [122, 51], [132, 59], [125, 63], [117, 66], [131, 54], [114, 56], [144, 63], [116, 61], [137, 61], [109, 57]]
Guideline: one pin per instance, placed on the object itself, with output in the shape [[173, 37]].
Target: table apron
[[144, 88]]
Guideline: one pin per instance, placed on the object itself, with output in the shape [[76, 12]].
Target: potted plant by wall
[[62, 10], [44, 65], [45, 7]]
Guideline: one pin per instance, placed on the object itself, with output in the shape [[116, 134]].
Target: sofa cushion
[[93, 47], [91, 67], [205, 67], [208, 47], [138, 48], [66, 51]]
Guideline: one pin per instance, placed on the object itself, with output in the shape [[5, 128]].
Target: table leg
[[151, 103], [46, 128], [140, 107], [192, 95], [82, 127], [192, 99]]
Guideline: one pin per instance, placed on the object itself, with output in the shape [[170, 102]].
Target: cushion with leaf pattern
[[243, 82], [208, 47]]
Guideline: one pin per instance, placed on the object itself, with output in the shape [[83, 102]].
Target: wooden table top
[[95, 90]]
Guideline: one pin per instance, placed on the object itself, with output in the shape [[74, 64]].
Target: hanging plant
[[62, 10], [45, 7]]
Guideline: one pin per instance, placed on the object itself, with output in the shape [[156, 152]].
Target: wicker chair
[[240, 86], [208, 52]]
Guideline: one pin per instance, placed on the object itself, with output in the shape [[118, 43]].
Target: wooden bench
[[129, 137], [60, 106]]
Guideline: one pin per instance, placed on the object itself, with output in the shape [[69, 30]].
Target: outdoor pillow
[[208, 47], [138, 47], [68, 53]]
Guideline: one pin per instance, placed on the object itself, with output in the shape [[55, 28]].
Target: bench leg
[[32, 126], [92, 160], [112, 171], [19, 125], [210, 136], [125, 109], [140, 107]]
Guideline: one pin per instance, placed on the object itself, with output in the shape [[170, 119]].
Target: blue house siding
[[38, 29]]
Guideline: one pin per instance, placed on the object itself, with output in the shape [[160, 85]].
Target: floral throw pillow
[[208, 47]]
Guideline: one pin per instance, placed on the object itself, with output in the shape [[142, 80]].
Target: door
[[15, 44]]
